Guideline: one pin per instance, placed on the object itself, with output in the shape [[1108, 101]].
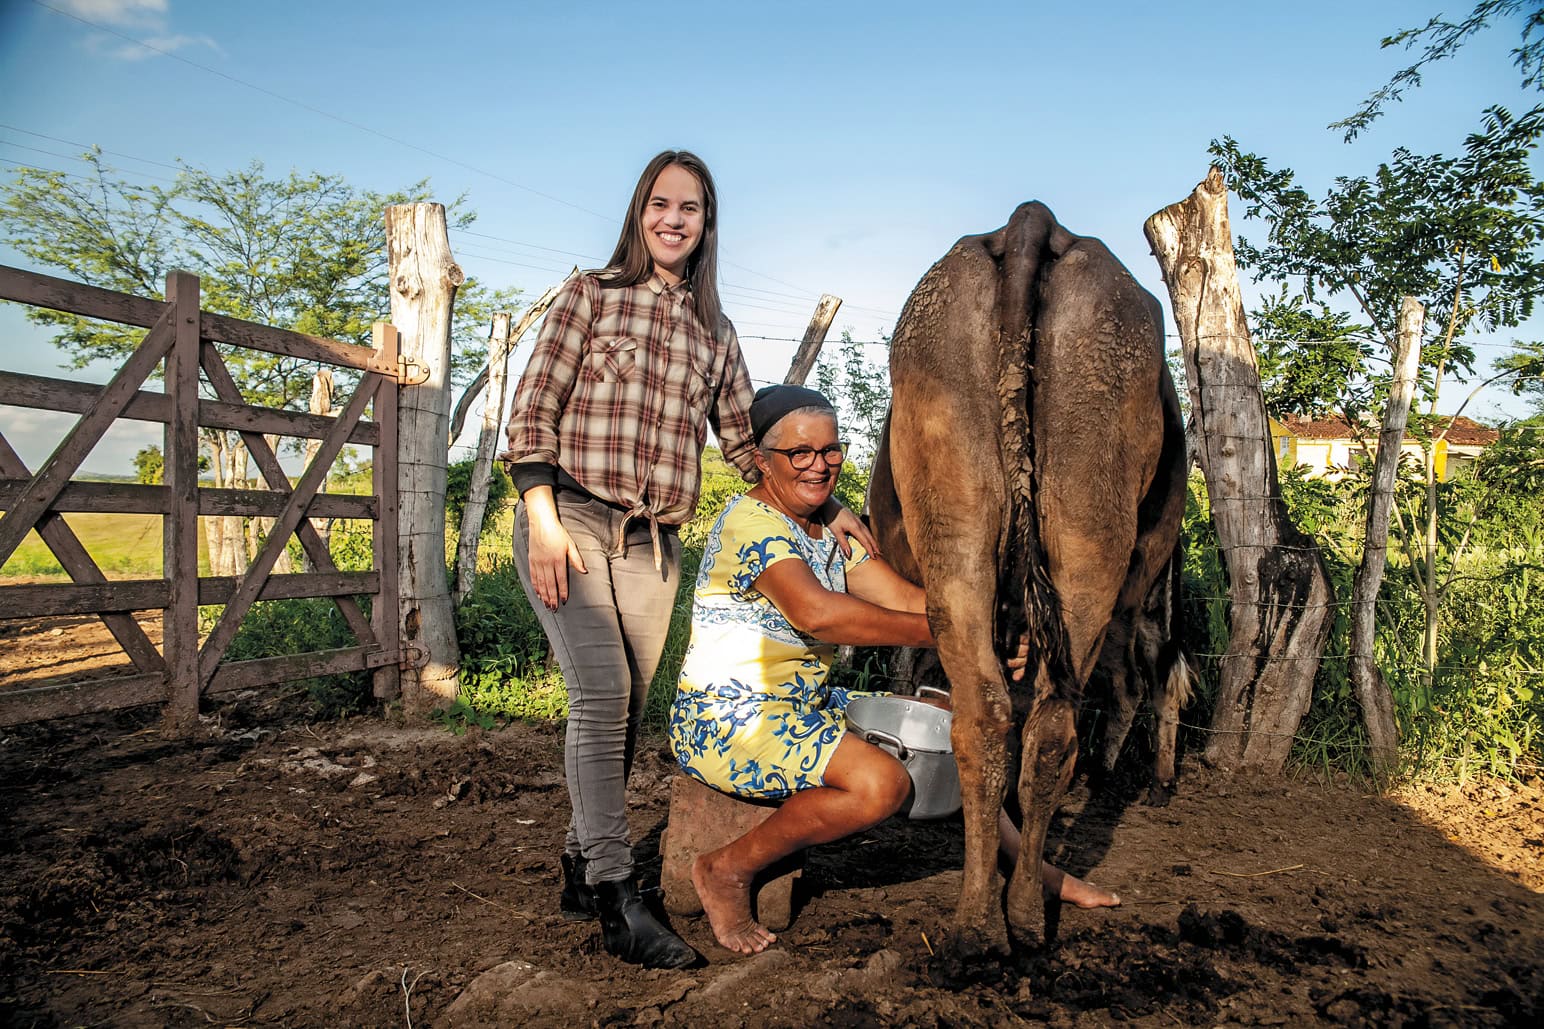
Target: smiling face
[[795, 492], [672, 221]]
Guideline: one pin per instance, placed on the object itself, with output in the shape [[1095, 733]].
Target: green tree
[[1309, 353], [860, 389], [1443, 39], [149, 465], [1461, 234], [300, 251]]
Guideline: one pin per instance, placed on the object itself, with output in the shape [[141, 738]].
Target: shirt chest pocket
[[703, 388], [611, 359]]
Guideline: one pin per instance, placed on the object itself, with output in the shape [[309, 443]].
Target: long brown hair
[[631, 264]]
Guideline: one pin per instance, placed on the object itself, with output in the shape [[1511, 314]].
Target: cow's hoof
[[1029, 909], [962, 958], [1159, 794]]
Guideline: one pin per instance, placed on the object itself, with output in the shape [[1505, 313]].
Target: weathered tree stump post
[[1278, 586], [1371, 691], [424, 279], [814, 336], [499, 344]]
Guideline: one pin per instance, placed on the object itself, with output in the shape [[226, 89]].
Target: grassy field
[[125, 546]]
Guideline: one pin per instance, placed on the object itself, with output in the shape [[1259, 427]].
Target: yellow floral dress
[[753, 715]]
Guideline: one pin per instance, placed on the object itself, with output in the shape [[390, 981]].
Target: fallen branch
[[485, 900], [75, 971], [1255, 875], [407, 995]]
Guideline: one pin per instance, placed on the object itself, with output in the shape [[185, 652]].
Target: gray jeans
[[608, 638]]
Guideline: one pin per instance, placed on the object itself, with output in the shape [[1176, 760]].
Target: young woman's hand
[[846, 526], [551, 549]]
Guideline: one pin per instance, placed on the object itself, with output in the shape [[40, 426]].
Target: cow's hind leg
[[1117, 684], [983, 718], [1050, 750], [958, 503]]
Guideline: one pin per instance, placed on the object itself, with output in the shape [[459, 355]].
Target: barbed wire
[[1383, 666]]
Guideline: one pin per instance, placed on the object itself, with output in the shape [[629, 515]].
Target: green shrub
[[505, 666], [273, 628], [458, 487]]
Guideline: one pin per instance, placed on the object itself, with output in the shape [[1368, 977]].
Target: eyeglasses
[[803, 457]]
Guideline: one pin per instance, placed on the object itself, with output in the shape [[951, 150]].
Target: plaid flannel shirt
[[619, 393]]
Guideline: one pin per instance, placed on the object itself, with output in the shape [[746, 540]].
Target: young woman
[[632, 365]]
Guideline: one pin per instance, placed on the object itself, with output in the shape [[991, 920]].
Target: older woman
[[753, 715]]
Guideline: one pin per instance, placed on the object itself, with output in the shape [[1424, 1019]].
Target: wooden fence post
[[179, 620], [424, 278], [385, 613], [1278, 586], [495, 375], [1372, 692], [499, 344], [527, 319], [814, 336]]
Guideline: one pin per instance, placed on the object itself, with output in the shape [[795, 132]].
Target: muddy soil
[[369, 874]]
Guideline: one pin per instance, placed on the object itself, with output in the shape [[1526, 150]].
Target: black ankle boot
[[577, 901], [631, 932]]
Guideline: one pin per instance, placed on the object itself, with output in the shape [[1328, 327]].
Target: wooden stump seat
[[703, 819]]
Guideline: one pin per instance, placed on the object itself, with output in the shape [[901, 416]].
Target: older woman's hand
[[846, 526]]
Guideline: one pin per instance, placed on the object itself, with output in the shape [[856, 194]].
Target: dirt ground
[[366, 873], [370, 874]]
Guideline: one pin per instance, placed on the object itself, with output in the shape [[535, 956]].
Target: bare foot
[[727, 902], [1075, 890]]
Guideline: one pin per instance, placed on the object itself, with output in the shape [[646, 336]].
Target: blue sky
[[852, 143]]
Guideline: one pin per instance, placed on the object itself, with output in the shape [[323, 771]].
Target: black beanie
[[773, 403]]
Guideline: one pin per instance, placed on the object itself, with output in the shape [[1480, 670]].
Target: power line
[[726, 286], [316, 110], [61, 171], [364, 128], [89, 146]]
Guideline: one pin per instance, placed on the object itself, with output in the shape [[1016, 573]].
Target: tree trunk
[[482, 460], [424, 279], [263, 527], [528, 318], [320, 404], [1279, 589], [814, 336], [1371, 691], [224, 534]]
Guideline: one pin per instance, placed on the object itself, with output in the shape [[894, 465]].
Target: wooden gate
[[182, 336]]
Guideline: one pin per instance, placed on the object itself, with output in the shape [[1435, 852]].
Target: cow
[[1144, 659], [1031, 479]]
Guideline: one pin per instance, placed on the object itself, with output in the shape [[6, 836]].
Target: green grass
[[124, 546]]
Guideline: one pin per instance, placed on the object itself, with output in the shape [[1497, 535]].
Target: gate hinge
[[412, 657], [411, 373]]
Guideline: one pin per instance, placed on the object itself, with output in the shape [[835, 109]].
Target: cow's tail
[[1023, 247]]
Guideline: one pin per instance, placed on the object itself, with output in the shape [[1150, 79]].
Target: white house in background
[[1327, 447]]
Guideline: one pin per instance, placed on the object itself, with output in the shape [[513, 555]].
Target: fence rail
[[199, 395]]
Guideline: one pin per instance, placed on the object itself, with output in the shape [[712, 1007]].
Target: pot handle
[[935, 690], [882, 739]]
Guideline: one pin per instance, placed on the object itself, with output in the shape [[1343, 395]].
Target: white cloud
[[35, 433], [164, 44], [116, 12], [149, 20]]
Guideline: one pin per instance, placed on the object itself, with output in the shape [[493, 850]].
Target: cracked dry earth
[[366, 874]]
